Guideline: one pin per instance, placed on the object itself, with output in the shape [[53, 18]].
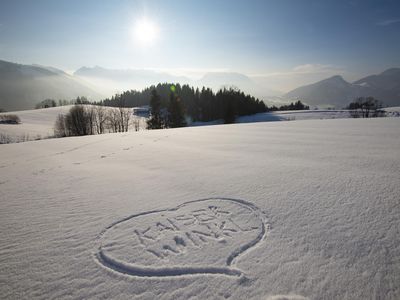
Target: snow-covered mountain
[[23, 86], [337, 92]]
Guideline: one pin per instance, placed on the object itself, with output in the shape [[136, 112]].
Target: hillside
[[333, 91], [337, 92], [23, 86], [247, 211], [388, 80], [35, 123]]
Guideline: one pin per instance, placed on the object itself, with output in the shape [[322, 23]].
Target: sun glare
[[145, 31]]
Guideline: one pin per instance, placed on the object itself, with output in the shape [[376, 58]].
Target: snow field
[[326, 192]]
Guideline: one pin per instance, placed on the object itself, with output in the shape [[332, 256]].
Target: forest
[[198, 104]]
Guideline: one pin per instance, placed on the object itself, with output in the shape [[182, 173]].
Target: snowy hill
[[39, 123], [246, 211], [35, 123]]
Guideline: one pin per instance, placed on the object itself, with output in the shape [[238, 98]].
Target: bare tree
[[125, 115], [91, 115], [114, 120], [89, 120], [101, 119], [60, 127], [136, 124], [77, 121], [118, 119], [366, 108]]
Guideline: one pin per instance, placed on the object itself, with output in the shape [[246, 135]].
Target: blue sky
[[280, 42]]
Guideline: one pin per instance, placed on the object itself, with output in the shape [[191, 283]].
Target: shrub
[[9, 119], [46, 104], [368, 107]]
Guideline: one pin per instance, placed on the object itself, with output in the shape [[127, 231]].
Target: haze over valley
[[23, 86]]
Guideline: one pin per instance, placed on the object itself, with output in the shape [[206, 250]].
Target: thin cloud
[[193, 73], [388, 22], [305, 69]]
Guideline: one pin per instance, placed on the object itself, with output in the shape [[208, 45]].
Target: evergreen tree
[[198, 104], [293, 106], [155, 121], [176, 115]]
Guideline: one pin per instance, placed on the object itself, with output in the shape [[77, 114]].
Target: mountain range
[[23, 86], [337, 92], [110, 81]]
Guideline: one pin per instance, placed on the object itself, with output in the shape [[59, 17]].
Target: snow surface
[[39, 123], [279, 210], [35, 124], [392, 111], [292, 115]]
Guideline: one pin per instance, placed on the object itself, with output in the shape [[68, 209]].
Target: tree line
[[198, 104], [298, 105], [171, 106], [62, 102]]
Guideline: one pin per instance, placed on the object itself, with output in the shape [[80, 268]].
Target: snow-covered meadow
[[35, 124], [39, 124], [304, 209]]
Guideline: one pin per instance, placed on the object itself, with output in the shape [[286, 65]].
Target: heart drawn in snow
[[205, 236]]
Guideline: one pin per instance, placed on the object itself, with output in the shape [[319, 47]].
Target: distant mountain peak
[[336, 91], [391, 72], [336, 78], [51, 69], [217, 79]]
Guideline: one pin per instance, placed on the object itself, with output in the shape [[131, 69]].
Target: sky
[[282, 44]]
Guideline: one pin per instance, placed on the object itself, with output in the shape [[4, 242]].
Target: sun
[[145, 31]]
